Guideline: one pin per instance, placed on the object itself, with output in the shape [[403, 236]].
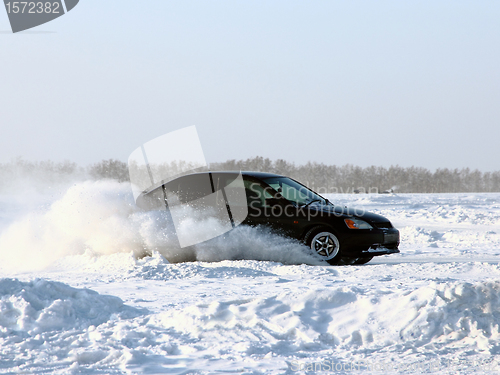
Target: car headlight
[[354, 223]]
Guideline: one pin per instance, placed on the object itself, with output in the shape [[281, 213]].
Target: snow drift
[[221, 325], [38, 306]]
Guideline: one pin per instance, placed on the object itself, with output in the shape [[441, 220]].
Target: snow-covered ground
[[77, 294]]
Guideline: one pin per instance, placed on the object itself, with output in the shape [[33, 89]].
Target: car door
[[268, 208]]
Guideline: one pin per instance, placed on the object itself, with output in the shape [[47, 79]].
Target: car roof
[[249, 173], [243, 173]]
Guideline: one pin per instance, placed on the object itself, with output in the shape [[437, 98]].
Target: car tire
[[323, 242]]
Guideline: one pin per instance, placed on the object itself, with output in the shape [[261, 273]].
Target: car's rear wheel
[[324, 243]]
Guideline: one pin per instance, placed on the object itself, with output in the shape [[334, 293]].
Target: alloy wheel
[[326, 245]]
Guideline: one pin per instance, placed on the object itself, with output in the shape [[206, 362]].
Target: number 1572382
[[32, 7]]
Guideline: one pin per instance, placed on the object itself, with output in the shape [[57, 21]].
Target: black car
[[336, 233]]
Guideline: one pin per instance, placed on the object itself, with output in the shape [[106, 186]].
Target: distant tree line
[[350, 178], [320, 177]]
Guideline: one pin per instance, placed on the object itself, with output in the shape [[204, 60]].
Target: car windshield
[[293, 191]]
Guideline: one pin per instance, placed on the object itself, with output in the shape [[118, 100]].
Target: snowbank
[[270, 330], [31, 308], [461, 314]]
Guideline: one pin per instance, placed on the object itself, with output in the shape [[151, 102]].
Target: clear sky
[[360, 82]]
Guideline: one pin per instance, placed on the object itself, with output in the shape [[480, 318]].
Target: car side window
[[293, 195], [256, 194], [290, 192]]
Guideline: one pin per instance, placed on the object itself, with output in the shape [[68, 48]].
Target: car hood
[[349, 212]]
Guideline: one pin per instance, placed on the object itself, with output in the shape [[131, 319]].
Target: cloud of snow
[[97, 218]]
